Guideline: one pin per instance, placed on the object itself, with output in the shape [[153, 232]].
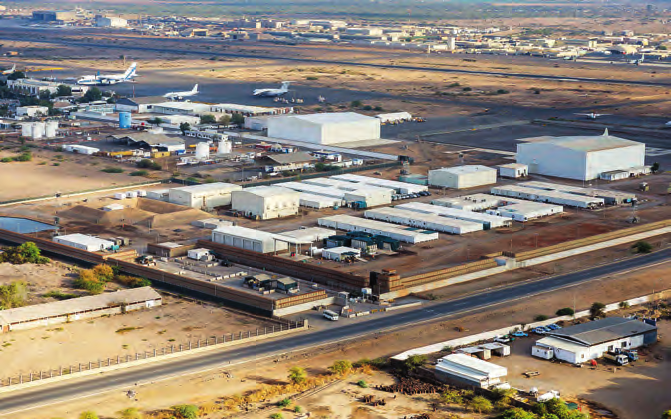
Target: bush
[[480, 404], [502, 92], [517, 413], [597, 310], [284, 402], [566, 311], [362, 384], [356, 104], [642, 247], [104, 273], [624, 304], [148, 164], [208, 119], [139, 173], [57, 295], [311, 78], [298, 409], [541, 317], [297, 375], [88, 415], [12, 295], [112, 170], [276, 416], [367, 108], [341, 367], [87, 280], [413, 362], [467, 89], [186, 411], [451, 397], [28, 252]]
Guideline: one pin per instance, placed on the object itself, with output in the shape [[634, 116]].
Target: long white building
[[424, 220], [206, 196], [399, 187], [325, 128], [266, 202], [249, 238], [554, 197], [487, 220], [400, 233]]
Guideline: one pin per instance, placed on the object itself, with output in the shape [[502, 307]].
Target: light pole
[[536, 237]]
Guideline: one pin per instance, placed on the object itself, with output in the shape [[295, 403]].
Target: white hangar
[[266, 202], [580, 157], [325, 128]]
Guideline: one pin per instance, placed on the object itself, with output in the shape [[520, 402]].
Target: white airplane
[[593, 115], [182, 95], [638, 61], [668, 124], [273, 92], [10, 71], [106, 80]]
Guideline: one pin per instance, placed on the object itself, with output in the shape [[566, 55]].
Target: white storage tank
[[51, 129], [225, 147], [202, 151], [38, 130], [27, 130]]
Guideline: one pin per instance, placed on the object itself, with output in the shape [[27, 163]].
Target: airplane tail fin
[[195, 89], [130, 73], [285, 85], [13, 68]]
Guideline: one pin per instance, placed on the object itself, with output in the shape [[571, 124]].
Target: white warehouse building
[[266, 202], [206, 196], [325, 128], [580, 157], [248, 238], [462, 177], [84, 242]]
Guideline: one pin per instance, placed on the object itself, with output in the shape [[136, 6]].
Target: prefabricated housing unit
[[159, 194], [553, 197], [399, 187], [266, 202], [513, 170], [84, 242], [466, 369], [610, 197], [475, 202], [403, 234], [206, 196], [423, 220], [462, 177], [309, 200], [249, 239], [525, 211], [488, 221], [340, 253], [587, 341], [313, 189]]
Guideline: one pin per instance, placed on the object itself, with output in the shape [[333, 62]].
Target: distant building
[[194, 32], [266, 202], [111, 22], [32, 87], [462, 177], [32, 111], [54, 15], [138, 104], [206, 196], [325, 128], [580, 157]]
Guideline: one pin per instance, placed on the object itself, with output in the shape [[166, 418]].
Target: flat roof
[[209, 187], [472, 366], [334, 117], [514, 166], [287, 158], [421, 216], [247, 233], [85, 239], [268, 191], [603, 330], [462, 170], [77, 305], [584, 143], [150, 139], [551, 342], [311, 234]]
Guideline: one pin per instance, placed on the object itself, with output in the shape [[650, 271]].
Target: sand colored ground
[[47, 174], [622, 395]]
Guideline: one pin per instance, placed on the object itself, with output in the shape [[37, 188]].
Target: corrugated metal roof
[[334, 117], [287, 158], [77, 305], [585, 143], [603, 330]]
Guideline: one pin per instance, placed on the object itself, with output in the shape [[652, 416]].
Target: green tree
[[225, 120], [480, 404], [12, 295], [298, 409], [63, 90], [186, 411], [16, 75], [238, 119], [413, 362], [297, 375], [517, 413], [208, 119], [356, 104], [284, 402], [131, 413], [103, 272], [451, 397], [666, 415], [93, 94], [642, 247], [45, 95], [28, 252], [341, 367], [597, 310], [88, 415], [566, 311], [184, 127]]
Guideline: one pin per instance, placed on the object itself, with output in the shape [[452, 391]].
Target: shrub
[[12, 295], [139, 173], [367, 108], [341, 367], [88, 415], [517, 413], [276, 416], [186, 411], [148, 164], [480, 404], [467, 89], [28, 252], [414, 361], [624, 304], [57, 295], [597, 310], [297, 375], [298, 409], [112, 170], [642, 247], [208, 119], [311, 78], [566, 311], [451, 397], [362, 384], [87, 280], [502, 92], [104, 273], [131, 413], [541, 317], [356, 104], [284, 402]]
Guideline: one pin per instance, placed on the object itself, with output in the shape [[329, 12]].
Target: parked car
[[520, 334], [553, 326], [540, 331], [504, 339]]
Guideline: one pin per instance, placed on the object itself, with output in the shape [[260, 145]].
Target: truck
[[146, 260], [616, 358], [631, 354]]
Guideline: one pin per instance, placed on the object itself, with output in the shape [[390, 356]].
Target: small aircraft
[[638, 60], [10, 71], [106, 80], [273, 92], [668, 124], [593, 115], [182, 95]]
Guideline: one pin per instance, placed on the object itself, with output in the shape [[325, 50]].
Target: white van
[[331, 315]]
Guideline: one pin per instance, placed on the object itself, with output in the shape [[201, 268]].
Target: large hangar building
[[325, 128]]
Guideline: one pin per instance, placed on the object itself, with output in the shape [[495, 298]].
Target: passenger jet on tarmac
[[182, 95], [593, 115], [106, 80], [10, 71], [273, 92]]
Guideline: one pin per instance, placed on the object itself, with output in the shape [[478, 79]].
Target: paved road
[[67, 390], [339, 62]]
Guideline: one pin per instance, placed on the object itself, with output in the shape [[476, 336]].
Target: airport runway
[[338, 62], [337, 333]]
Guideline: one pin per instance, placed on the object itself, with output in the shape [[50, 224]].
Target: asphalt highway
[[338, 62], [341, 332]]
